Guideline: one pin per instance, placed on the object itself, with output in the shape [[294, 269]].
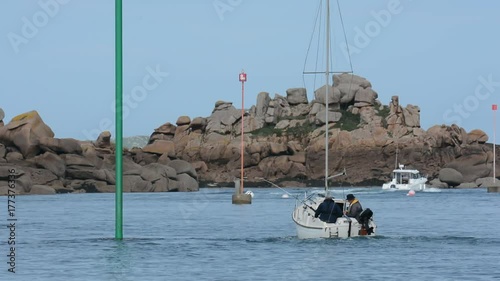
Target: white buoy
[[285, 196], [411, 192], [249, 192]]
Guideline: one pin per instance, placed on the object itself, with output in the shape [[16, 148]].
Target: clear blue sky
[[58, 58]]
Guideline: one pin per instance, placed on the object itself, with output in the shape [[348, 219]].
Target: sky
[[181, 56]]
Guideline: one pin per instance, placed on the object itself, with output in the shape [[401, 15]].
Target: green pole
[[119, 121]]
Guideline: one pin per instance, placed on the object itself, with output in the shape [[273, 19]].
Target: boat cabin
[[403, 176]]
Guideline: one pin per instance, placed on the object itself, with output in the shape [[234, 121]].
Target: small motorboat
[[406, 179]]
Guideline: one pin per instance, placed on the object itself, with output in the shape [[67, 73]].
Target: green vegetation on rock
[[300, 117], [348, 121], [267, 130], [384, 113], [301, 131]]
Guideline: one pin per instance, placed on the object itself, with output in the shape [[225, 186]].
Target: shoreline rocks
[[283, 142], [39, 163]]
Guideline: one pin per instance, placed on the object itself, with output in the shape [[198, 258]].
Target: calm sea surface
[[436, 235]]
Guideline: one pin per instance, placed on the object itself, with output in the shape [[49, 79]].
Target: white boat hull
[[310, 227], [340, 229], [412, 186]]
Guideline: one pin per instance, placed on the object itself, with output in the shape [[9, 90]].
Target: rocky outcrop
[[284, 140], [223, 118], [296, 96], [450, 176], [2, 116], [476, 136], [161, 147], [60, 146], [39, 163], [104, 140], [24, 132]]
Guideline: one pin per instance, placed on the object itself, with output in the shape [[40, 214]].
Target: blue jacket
[[328, 211]]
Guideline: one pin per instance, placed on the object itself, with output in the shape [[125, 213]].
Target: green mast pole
[[119, 121]]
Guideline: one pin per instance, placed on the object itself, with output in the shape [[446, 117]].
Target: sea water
[[435, 235]]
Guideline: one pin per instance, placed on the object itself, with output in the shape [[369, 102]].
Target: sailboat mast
[[327, 78]]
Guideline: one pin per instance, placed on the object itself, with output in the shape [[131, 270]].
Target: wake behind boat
[[308, 226]]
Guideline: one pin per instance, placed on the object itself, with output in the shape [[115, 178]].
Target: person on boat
[[355, 207], [328, 210]]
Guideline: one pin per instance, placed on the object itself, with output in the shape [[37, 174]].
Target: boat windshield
[[403, 177]]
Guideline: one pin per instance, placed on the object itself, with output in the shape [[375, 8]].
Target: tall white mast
[[327, 78]]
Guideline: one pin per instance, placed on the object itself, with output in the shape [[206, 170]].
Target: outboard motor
[[364, 218]]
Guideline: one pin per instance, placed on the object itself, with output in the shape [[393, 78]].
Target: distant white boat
[[406, 179]]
